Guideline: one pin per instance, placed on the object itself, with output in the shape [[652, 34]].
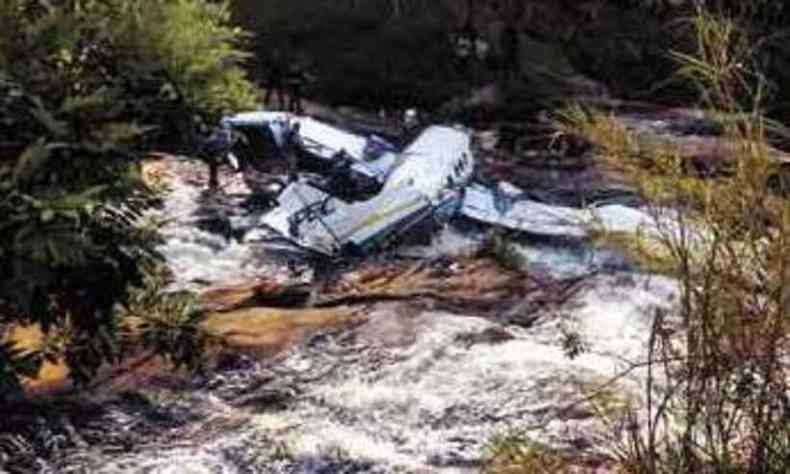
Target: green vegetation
[[500, 248], [86, 88]]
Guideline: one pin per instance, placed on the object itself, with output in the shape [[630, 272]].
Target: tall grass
[[717, 386], [715, 396]]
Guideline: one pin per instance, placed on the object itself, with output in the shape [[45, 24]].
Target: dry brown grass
[[722, 355]]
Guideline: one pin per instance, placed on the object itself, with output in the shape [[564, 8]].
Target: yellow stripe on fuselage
[[376, 217]]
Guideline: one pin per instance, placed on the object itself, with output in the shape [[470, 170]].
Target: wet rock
[[265, 400], [268, 293], [267, 330], [216, 225], [233, 361], [492, 335]]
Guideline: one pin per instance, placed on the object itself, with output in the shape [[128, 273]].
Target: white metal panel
[[295, 197], [365, 220], [326, 140], [335, 223], [319, 138], [439, 158], [505, 209], [277, 122], [259, 118], [484, 205]]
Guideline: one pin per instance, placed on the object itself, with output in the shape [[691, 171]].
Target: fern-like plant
[[86, 88]]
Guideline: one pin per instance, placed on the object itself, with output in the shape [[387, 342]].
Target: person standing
[[291, 145], [297, 77], [465, 39], [481, 49], [275, 79], [214, 150]]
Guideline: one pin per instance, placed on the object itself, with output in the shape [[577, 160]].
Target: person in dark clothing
[[341, 179], [297, 77], [214, 150], [291, 144], [511, 53], [465, 40], [275, 80]]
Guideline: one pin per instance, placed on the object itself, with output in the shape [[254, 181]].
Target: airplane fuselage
[[424, 180]]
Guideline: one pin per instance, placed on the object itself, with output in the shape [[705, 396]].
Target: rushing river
[[406, 389]]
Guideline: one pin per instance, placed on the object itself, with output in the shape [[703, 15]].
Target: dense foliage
[[85, 88], [372, 53]]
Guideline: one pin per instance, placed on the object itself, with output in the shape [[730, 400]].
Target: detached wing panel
[[499, 208], [487, 206]]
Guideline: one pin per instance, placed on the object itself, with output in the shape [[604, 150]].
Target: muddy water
[[406, 388]]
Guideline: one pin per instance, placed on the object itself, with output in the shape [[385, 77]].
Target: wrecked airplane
[[352, 193]]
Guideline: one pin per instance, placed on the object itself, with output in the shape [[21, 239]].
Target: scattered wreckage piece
[[506, 206]]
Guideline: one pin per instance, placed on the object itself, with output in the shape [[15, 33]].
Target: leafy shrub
[[83, 84]]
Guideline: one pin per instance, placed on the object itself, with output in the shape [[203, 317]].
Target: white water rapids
[[405, 391]]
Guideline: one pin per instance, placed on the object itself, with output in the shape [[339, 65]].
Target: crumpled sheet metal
[[428, 179], [505, 208]]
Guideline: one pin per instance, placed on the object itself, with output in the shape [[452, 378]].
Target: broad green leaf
[[32, 159]]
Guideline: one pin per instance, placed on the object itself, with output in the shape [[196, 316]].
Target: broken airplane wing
[[504, 206]]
